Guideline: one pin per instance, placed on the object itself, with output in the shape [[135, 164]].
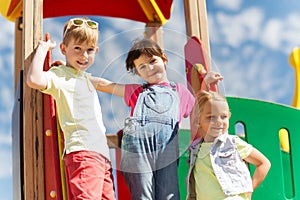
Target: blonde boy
[[86, 155]]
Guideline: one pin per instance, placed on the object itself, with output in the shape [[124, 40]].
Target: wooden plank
[[194, 54], [33, 168], [122, 188], [204, 33], [17, 141], [196, 24], [154, 31], [192, 18], [114, 141], [197, 49], [53, 175], [18, 51], [197, 28]]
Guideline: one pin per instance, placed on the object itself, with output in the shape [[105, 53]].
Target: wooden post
[[33, 169], [18, 50], [196, 23], [17, 145], [196, 26], [154, 31]]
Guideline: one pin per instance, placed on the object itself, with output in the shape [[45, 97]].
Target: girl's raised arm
[[107, 86]]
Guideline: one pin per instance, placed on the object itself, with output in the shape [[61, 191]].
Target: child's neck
[[160, 82], [209, 139], [70, 66]]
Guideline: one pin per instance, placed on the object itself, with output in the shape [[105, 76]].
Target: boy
[[86, 154]]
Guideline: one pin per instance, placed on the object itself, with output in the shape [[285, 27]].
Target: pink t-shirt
[[187, 100]]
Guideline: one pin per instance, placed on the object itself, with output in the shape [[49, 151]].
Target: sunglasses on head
[[79, 22]]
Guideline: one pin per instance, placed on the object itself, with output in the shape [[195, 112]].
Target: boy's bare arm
[[105, 85], [35, 77]]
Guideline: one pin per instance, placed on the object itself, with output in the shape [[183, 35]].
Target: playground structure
[[270, 127]]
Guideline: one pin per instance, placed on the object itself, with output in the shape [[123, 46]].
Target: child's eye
[[153, 61], [77, 48], [211, 118], [141, 67], [91, 50], [224, 116]]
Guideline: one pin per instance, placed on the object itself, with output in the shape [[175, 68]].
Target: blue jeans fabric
[[161, 184], [150, 145]]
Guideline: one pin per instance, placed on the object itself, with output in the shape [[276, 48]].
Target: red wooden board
[[193, 51], [51, 153]]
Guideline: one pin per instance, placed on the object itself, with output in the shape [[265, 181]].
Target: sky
[[250, 43]]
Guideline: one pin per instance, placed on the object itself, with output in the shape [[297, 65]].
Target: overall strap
[[173, 85], [145, 86]]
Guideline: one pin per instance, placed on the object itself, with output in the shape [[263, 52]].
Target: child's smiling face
[[151, 69], [214, 119], [79, 55]]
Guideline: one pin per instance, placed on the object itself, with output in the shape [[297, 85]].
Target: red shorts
[[88, 176]]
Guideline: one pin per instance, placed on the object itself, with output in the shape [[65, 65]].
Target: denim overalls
[[150, 145]]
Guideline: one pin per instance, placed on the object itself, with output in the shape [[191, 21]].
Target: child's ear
[[62, 47], [164, 58], [229, 114]]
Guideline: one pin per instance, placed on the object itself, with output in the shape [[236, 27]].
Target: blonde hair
[[80, 34], [201, 99]]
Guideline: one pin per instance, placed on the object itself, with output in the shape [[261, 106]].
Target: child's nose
[[84, 54], [150, 66], [218, 121]]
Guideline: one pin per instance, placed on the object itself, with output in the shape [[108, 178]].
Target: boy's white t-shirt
[[78, 109]]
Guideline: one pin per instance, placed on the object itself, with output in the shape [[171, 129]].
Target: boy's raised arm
[[35, 77]]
